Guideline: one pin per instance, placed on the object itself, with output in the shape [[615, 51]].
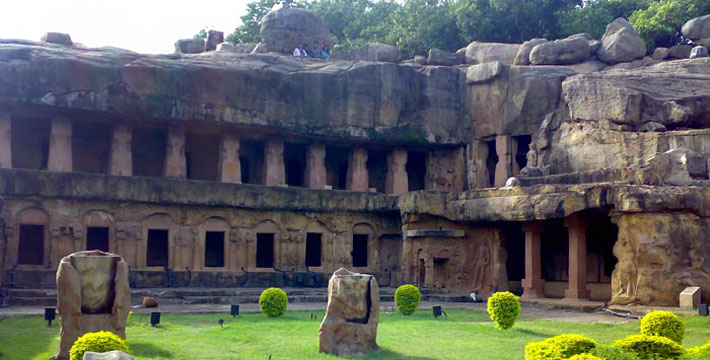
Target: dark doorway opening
[[314, 249], [214, 249], [91, 144], [251, 158], [491, 162], [377, 169], [295, 163], [521, 157], [157, 251], [416, 170], [31, 247], [336, 165], [421, 267], [441, 273], [97, 238], [514, 242], [601, 238], [148, 151], [555, 251], [202, 156], [30, 143], [360, 250], [265, 250]]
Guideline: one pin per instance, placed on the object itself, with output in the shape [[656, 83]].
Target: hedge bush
[[651, 347], [273, 302], [407, 299], [102, 341], [586, 357], [559, 347], [613, 353], [504, 308], [698, 353], [663, 323]]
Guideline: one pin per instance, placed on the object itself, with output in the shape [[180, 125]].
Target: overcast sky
[[146, 26]]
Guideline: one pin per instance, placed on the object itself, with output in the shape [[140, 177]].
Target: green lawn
[[465, 335]]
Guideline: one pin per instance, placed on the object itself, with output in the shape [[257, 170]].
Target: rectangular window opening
[[313, 249], [336, 166], [157, 252], [252, 159], [214, 249], [97, 238], [416, 170], [91, 145], [148, 151], [360, 250], [202, 153], [491, 162], [30, 143], [264, 250], [31, 247], [295, 163], [521, 157]]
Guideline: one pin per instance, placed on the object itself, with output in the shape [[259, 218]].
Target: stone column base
[[533, 288], [577, 294]]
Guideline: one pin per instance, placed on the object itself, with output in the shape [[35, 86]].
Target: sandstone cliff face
[[355, 100], [659, 255]]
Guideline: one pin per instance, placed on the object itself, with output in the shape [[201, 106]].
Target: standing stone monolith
[[349, 327], [92, 295]]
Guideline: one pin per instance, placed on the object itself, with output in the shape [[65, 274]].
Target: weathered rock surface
[[57, 38], [621, 43], [560, 52], [111, 355], [697, 28], [246, 48], [190, 46], [523, 55], [479, 53], [284, 29], [483, 73], [676, 167], [92, 295], [699, 52], [378, 52], [681, 51], [440, 57], [349, 327], [214, 38], [661, 53]]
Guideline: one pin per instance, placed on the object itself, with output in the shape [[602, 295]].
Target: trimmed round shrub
[[613, 353], [663, 323], [102, 341], [504, 308], [407, 299], [273, 302], [559, 347], [651, 347], [585, 357]]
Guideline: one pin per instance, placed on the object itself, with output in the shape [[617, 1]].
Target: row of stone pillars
[[506, 147], [534, 284], [121, 161]]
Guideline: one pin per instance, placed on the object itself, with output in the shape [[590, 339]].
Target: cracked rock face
[[284, 29]]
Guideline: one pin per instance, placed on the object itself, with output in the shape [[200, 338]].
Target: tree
[[420, 25], [661, 22], [594, 18]]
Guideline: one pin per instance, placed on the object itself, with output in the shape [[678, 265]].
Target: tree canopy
[[415, 26]]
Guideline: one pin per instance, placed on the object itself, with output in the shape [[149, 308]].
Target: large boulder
[[349, 327], [697, 28], [190, 46], [699, 52], [440, 57], [479, 53], [661, 53], [523, 55], [245, 48], [378, 52], [621, 43], [284, 29], [57, 38], [560, 52], [680, 51], [214, 38]]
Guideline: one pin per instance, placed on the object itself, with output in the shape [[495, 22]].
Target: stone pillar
[[533, 284], [577, 288], [229, 160], [60, 154], [275, 171], [175, 163], [315, 166], [5, 142], [504, 167], [397, 182], [357, 171], [477, 155], [121, 161]]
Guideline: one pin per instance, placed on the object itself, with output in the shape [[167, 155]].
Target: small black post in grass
[[703, 310], [154, 318], [234, 310], [437, 311], [49, 315], [221, 323]]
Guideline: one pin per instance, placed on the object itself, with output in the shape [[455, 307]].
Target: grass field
[[465, 335]]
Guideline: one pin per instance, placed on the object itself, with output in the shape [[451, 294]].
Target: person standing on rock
[[325, 52], [304, 53], [296, 52]]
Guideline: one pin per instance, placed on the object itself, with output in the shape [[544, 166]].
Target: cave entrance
[[148, 151], [91, 145], [295, 163], [514, 243], [214, 249], [336, 165], [30, 143], [416, 170], [157, 248], [521, 156], [359, 253], [554, 255], [202, 156], [251, 159], [377, 169], [441, 272], [601, 237], [491, 162], [264, 250], [314, 249], [97, 238], [31, 247]]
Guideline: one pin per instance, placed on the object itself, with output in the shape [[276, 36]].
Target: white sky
[[145, 26]]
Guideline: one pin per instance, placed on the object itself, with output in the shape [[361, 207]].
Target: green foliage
[[407, 299], [419, 25], [273, 302], [102, 341], [698, 353], [504, 308], [663, 323], [613, 353], [559, 347], [651, 347], [594, 18], [660, 23], [202, 34], [585, 357]]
